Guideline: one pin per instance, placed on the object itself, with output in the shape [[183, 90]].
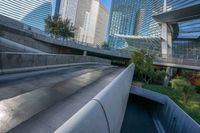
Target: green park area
[[179, 89]]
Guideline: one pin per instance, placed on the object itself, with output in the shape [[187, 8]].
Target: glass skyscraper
[[133, 17], [30, 12], [186, 39]]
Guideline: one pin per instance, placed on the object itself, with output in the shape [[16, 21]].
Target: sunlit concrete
[[27, 97]]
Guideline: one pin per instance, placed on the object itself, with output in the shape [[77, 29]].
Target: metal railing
[[191, 60]]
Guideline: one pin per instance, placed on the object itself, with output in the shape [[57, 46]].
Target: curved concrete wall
[[105, 112], [174, 120], [168, 117], [18, 62]]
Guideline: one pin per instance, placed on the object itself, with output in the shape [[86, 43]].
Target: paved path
[[137, 118], [43, 102]]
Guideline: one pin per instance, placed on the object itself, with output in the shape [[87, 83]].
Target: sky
[[107, 3]]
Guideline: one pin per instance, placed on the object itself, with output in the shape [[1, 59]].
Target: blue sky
[[107, 3]]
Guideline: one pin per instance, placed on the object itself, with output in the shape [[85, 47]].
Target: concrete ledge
[[27, 69], [22, 62], [112, 100], [90, 119], [168, 116], [157, 97]]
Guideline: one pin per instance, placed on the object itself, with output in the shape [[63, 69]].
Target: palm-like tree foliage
[[58, 27], [67, 29]]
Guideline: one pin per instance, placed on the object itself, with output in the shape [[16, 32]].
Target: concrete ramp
[[105, 112]]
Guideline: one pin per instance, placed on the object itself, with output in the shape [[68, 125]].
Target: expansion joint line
[[104, 113]]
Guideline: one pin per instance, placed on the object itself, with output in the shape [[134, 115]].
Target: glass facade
[[177, 4], [133, 17], [30, 12], [187, 41]]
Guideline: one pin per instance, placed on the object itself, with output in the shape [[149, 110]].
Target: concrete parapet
[[174, 120], [114, 99], [18, 62], [111, 102], [168, 117], [90, 119]]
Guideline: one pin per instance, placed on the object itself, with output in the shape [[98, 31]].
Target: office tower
[[133, 17], [90, 17], [102, 24], [30, 12], [166, 27], [186, 36], [68, 9]]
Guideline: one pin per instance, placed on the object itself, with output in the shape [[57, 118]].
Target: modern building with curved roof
[[167, 27], [26, 11]]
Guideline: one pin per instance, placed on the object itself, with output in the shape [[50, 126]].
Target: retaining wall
[[18, 62], [168, 117], [105, 112]]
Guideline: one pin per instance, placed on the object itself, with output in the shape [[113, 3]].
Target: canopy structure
[[149, 43], [183, 14]]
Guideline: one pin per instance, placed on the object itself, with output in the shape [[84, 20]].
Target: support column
[[84, 53], [166, 35], [164, 44], [169, 74]]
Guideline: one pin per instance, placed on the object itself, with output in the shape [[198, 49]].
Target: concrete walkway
[[24, 98], [137, 118]]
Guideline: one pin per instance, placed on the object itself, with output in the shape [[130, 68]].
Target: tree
[[58, 27], [53, 25], [143, 63], [183, 85], [144, 68], [67, 29], [105, 45], [158, 76]]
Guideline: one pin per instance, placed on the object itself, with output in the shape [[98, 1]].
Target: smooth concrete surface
[[148, 94], [112, 100], [91, 113], [15, 110], [10, 46], [17, 62], [137, 118], [12, 85], [167, 117], [52, 118]]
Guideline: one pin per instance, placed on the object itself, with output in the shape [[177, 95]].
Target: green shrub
[[183, 85], [158, 76], [197, 89], [143, 64]]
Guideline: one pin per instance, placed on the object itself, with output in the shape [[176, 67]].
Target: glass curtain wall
[[133, 17]]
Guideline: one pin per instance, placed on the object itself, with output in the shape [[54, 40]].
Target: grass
[[192, 108]]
